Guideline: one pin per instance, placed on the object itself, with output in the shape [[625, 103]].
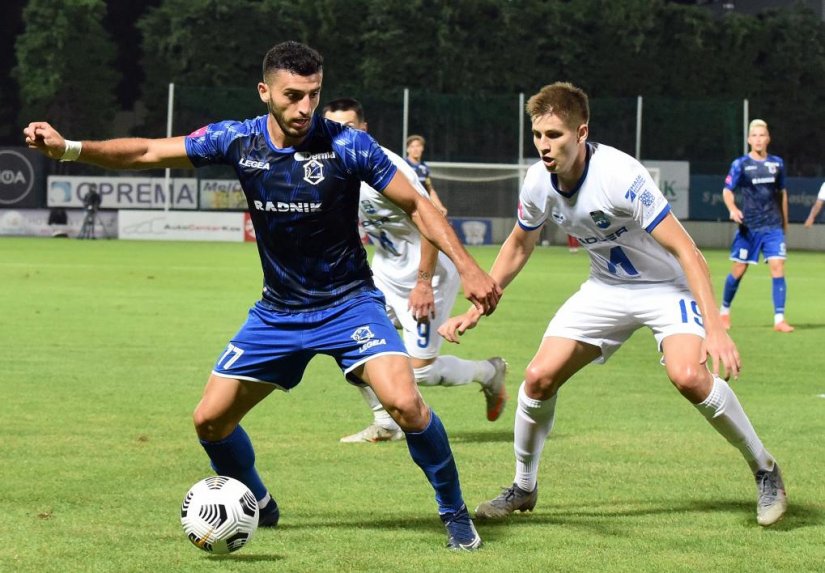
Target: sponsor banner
[[181, 226], [706, 203], [473, 231], [35, 223], [123, 192], [22, 178], [674, 183], [218, 194], [249, 229]]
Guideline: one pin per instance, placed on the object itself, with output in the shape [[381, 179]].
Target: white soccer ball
[[219, 514]]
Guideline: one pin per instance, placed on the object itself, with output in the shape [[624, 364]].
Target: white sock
[[724, 412], [534, 421], [723, 310], [778, 317], [452, 371], [380, 416]]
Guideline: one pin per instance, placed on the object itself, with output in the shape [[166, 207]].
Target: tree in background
[[65, 67]]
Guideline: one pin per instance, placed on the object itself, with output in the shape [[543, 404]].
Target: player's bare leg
[[779, 292], [391, 377], [217, 420], [556, 361], [715, 399]]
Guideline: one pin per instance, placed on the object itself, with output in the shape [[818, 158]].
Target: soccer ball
[[219, 514]]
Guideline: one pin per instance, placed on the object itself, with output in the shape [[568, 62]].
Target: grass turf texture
[[107, 345]]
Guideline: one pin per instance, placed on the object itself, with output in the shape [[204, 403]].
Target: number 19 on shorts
[[690, 310]]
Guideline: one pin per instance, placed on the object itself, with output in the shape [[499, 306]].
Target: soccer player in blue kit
[[301, 175], [763, 220]]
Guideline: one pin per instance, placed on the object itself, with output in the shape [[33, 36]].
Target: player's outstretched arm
[[720, 348], [125, 153], [815, 208], [422, 298], [479, 288], [510, 260]]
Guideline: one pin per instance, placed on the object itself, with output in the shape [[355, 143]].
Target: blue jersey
[[761, 183], [421, 169], [303, 202]]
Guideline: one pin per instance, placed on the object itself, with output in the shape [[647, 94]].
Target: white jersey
[[397, 240], [611, 212]]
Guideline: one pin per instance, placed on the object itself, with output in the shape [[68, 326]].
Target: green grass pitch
[[106, 346]]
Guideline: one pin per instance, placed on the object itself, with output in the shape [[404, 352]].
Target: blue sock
[[430, 449], [234, 457], [779, 291], [731, 284]]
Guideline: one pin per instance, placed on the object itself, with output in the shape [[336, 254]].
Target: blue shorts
[[748, 244], [275, 346]]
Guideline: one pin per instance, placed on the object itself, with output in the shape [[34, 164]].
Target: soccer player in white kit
[[420, 285], [645, 271]]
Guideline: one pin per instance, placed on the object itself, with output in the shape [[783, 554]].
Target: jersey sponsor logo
[[634, 188], [606, 239], [761, 180], [301, 156], [602, 221], [313, 172], [365, 337], [284, 207], [647, 198], [254, 164]]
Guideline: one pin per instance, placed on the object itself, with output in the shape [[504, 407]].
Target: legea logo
[[16, 177]]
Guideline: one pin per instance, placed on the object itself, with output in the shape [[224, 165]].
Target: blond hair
[[562, 99], [757, 123], [412, 138]]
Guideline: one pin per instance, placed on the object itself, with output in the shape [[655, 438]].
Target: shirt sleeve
[[780, 175], [732, 180], [372, 164], [208, 145], [532, 204], [821, 195], [647, 203]]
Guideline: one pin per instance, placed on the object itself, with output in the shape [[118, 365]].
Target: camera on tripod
[[91, 203]]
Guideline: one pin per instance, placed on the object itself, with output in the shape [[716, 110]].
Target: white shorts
[[606, 315], [421, 340]]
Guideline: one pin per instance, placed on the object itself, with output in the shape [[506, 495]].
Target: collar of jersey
[[554, 179], [284, 150]]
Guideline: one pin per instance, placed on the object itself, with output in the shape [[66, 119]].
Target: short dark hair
[[293, 57], [346, 104]]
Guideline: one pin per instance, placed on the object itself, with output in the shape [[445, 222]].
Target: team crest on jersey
[[313, 172], [772, 167], [601, 220], [557, 217]]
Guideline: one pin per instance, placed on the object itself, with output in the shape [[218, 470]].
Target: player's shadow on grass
[[603, 518], [247, 558], [502, 435]]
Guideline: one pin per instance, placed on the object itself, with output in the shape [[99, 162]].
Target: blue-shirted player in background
[[301, 175], [414, 158], [763, 220]]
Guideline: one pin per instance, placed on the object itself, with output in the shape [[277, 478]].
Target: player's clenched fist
[[43, 137]]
